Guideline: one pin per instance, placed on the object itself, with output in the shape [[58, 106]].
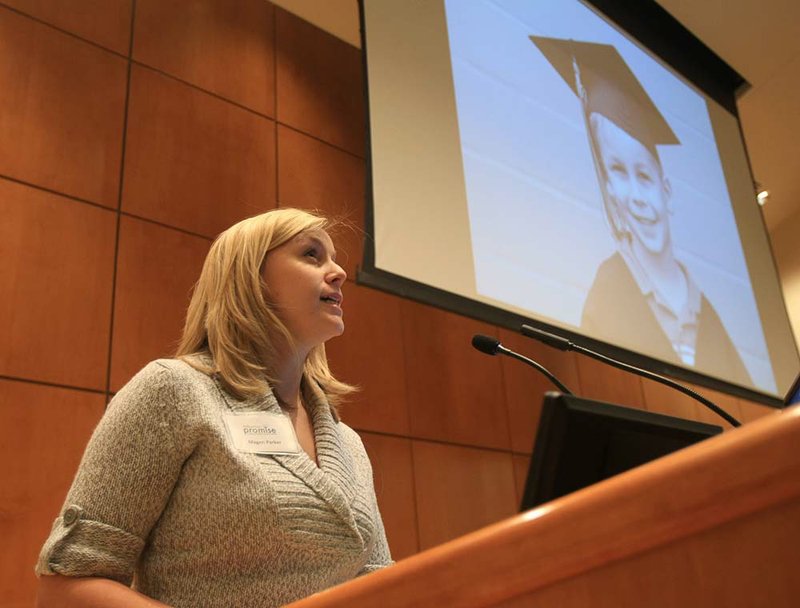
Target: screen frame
[[667, 39], [793, 394]]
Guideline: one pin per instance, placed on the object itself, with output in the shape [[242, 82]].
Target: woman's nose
[[337, 274]]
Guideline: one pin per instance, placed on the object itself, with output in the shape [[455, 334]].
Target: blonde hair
[[230, 320]]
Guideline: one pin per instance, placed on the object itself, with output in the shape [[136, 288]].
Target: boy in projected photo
[[642, 297]]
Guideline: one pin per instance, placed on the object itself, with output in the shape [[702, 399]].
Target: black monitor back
[[581, 442]]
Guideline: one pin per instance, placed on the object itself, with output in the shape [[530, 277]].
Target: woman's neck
[[288, 374]]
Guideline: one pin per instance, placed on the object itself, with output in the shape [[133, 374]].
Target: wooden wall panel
[[319, 79], [455, 393], [104, 22], [729, 403], [394, 485], [753, 411], [61, 111], [662, 399], [221, 46], [460, 490], [665, 400], [370, 354], [44, 431], [316, 175], [194, 161], [605, 383], [525, 386], [58, 262], [156, 270], [521, 466]]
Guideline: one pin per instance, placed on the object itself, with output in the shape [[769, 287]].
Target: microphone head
[[485, 344]]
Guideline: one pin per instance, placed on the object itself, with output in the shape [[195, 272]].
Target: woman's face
[[304, 283], [635, 182]]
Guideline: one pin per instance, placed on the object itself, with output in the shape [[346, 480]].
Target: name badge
[[261, 433]]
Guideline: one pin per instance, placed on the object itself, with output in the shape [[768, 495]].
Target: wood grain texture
[[602, 382], [665, 400], [104, 22], [194, 161], [741, 564], [221, 46], [753, 411], [455, 393], [316, 175], [370, 355], [460, 490], [394, 485], [45, 430], [156, 269], [319, 81], [729, 403], [521, 466], [57, 274], [719, 521], [61, 111]]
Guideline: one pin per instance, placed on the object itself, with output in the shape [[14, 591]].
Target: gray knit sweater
[[164, 500]]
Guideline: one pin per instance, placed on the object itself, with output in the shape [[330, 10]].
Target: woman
[[224, 477]]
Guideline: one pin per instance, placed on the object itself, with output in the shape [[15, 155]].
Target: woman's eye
[[311, 253]]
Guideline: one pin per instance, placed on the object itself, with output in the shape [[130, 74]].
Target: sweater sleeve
[[125, 478]]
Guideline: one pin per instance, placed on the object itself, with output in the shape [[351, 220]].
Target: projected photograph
[[595, 191]]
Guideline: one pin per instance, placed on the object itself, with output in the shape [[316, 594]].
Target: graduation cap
[[599, 76]]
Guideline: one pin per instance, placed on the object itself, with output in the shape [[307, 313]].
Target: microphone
[[566, 345], [492, 346]]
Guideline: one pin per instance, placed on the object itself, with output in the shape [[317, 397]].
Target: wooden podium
[[716, 524]]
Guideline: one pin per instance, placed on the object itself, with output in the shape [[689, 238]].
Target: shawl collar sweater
[[163, 500]]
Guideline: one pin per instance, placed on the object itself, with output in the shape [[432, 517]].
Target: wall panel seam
[[167, 226], [119, 203], [70, 387], [62, 30], [74, 199]]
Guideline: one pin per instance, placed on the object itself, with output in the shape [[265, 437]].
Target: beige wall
[[786, 249]]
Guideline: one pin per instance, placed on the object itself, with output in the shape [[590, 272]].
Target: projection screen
[[531, 161]]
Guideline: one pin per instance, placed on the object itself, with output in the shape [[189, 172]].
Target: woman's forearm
[[89, 592]]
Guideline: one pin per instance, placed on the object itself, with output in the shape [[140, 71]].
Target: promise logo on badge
[[261, 433]]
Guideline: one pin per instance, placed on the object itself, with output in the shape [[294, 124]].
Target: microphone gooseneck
[[566, 345], [492, 346]]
